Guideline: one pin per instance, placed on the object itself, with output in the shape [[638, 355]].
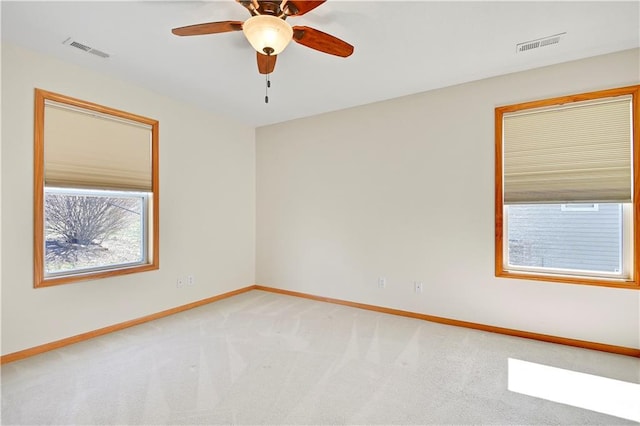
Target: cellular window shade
[[86, 149], [580, 153]]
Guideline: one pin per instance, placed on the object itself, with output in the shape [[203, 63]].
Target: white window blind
[[95, 150], [579, 153]]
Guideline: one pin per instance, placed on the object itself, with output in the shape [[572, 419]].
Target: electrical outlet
[[179, 282], [191, 280], [417, 286], [382, 282]]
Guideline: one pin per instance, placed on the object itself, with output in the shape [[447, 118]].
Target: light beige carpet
[[263, 358]]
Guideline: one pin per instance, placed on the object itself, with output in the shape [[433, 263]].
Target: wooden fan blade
[[208, 28], [323, 42], [266, 64], [303, 6]]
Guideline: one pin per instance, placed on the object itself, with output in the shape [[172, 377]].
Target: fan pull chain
[[266, 89]]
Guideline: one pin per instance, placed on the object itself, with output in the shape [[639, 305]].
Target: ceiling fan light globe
[[267, 33]]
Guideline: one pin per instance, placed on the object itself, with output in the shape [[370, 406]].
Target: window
[[96, 191], [566, 205]]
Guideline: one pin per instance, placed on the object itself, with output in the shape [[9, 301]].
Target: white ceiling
[[401, 47]]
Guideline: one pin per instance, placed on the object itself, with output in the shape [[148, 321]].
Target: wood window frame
[[500, 271], [153, 239]]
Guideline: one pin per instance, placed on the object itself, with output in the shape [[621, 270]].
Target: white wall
[[401, 189], [207, 207], [405, 189]]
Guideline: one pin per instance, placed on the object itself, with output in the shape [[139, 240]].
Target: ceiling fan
[[269, 33]]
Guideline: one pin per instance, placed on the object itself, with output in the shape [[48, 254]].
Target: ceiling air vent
[[84, 47], [541, 42]]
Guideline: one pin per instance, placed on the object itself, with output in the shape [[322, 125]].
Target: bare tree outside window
[[85, 231]]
